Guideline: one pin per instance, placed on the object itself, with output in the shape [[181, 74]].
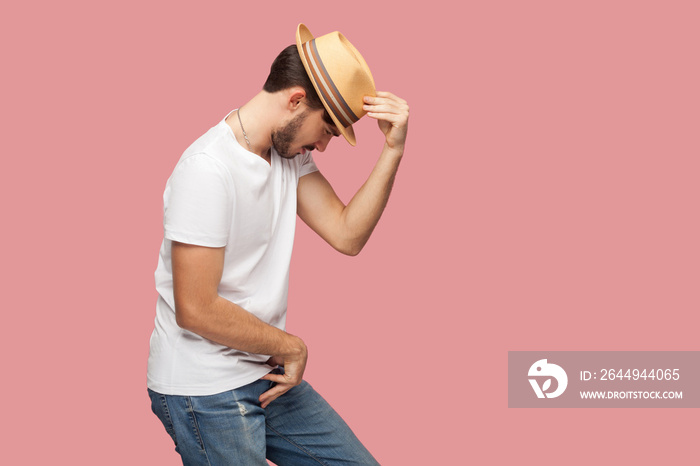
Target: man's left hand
[[391, 112]]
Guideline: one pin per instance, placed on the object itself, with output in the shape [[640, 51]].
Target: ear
[[295, 97]]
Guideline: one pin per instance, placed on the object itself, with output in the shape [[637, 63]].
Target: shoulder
[[199, 170], [202, 162], [305, 164]]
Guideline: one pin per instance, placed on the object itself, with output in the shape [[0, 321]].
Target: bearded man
[[224, 377]]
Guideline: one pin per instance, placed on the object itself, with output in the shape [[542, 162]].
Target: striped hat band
[[324, 83]]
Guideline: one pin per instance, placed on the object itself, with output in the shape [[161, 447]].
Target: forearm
[[230, 325], [361, 215], [348, 227]]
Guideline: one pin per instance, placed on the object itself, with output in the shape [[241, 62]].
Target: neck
[[258, 122]]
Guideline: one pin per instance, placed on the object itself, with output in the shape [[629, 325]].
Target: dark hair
[[288, 71]]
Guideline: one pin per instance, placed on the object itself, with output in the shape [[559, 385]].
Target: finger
[[395, 120], [277, 378], [385, 108], [387, 96], [376, 105], [275, 361], [387, 102], [272, 394], [286, 378]]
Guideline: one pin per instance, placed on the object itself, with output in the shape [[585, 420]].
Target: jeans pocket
[[159, 406], [193, 424]]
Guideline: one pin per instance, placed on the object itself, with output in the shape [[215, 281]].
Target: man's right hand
[[294, 363], [197, 272]]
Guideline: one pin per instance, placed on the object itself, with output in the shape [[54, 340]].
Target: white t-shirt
[[220, 195]]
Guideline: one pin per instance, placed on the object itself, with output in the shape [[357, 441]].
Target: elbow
[[350, 252], [353, 251], [348, 241], [182, 319], [185, 316], [350, 248], [193, 312]]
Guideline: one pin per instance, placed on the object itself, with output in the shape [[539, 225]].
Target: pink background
[[548, 200]]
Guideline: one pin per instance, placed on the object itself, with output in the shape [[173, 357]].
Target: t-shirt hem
[[205, 390], [306, 169], [212, 242]]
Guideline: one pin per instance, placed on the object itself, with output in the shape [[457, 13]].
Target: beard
[[283, 138]]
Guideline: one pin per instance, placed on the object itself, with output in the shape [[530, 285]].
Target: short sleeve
[[198, 202], [307, 164]]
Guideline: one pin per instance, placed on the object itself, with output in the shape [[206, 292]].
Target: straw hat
[[339, 74]]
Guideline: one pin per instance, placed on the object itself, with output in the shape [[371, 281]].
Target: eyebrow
[[327, 119]]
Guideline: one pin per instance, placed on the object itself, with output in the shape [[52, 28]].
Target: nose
[[321, 144]]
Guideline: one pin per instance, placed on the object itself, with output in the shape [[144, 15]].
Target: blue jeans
[[231, 428]]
